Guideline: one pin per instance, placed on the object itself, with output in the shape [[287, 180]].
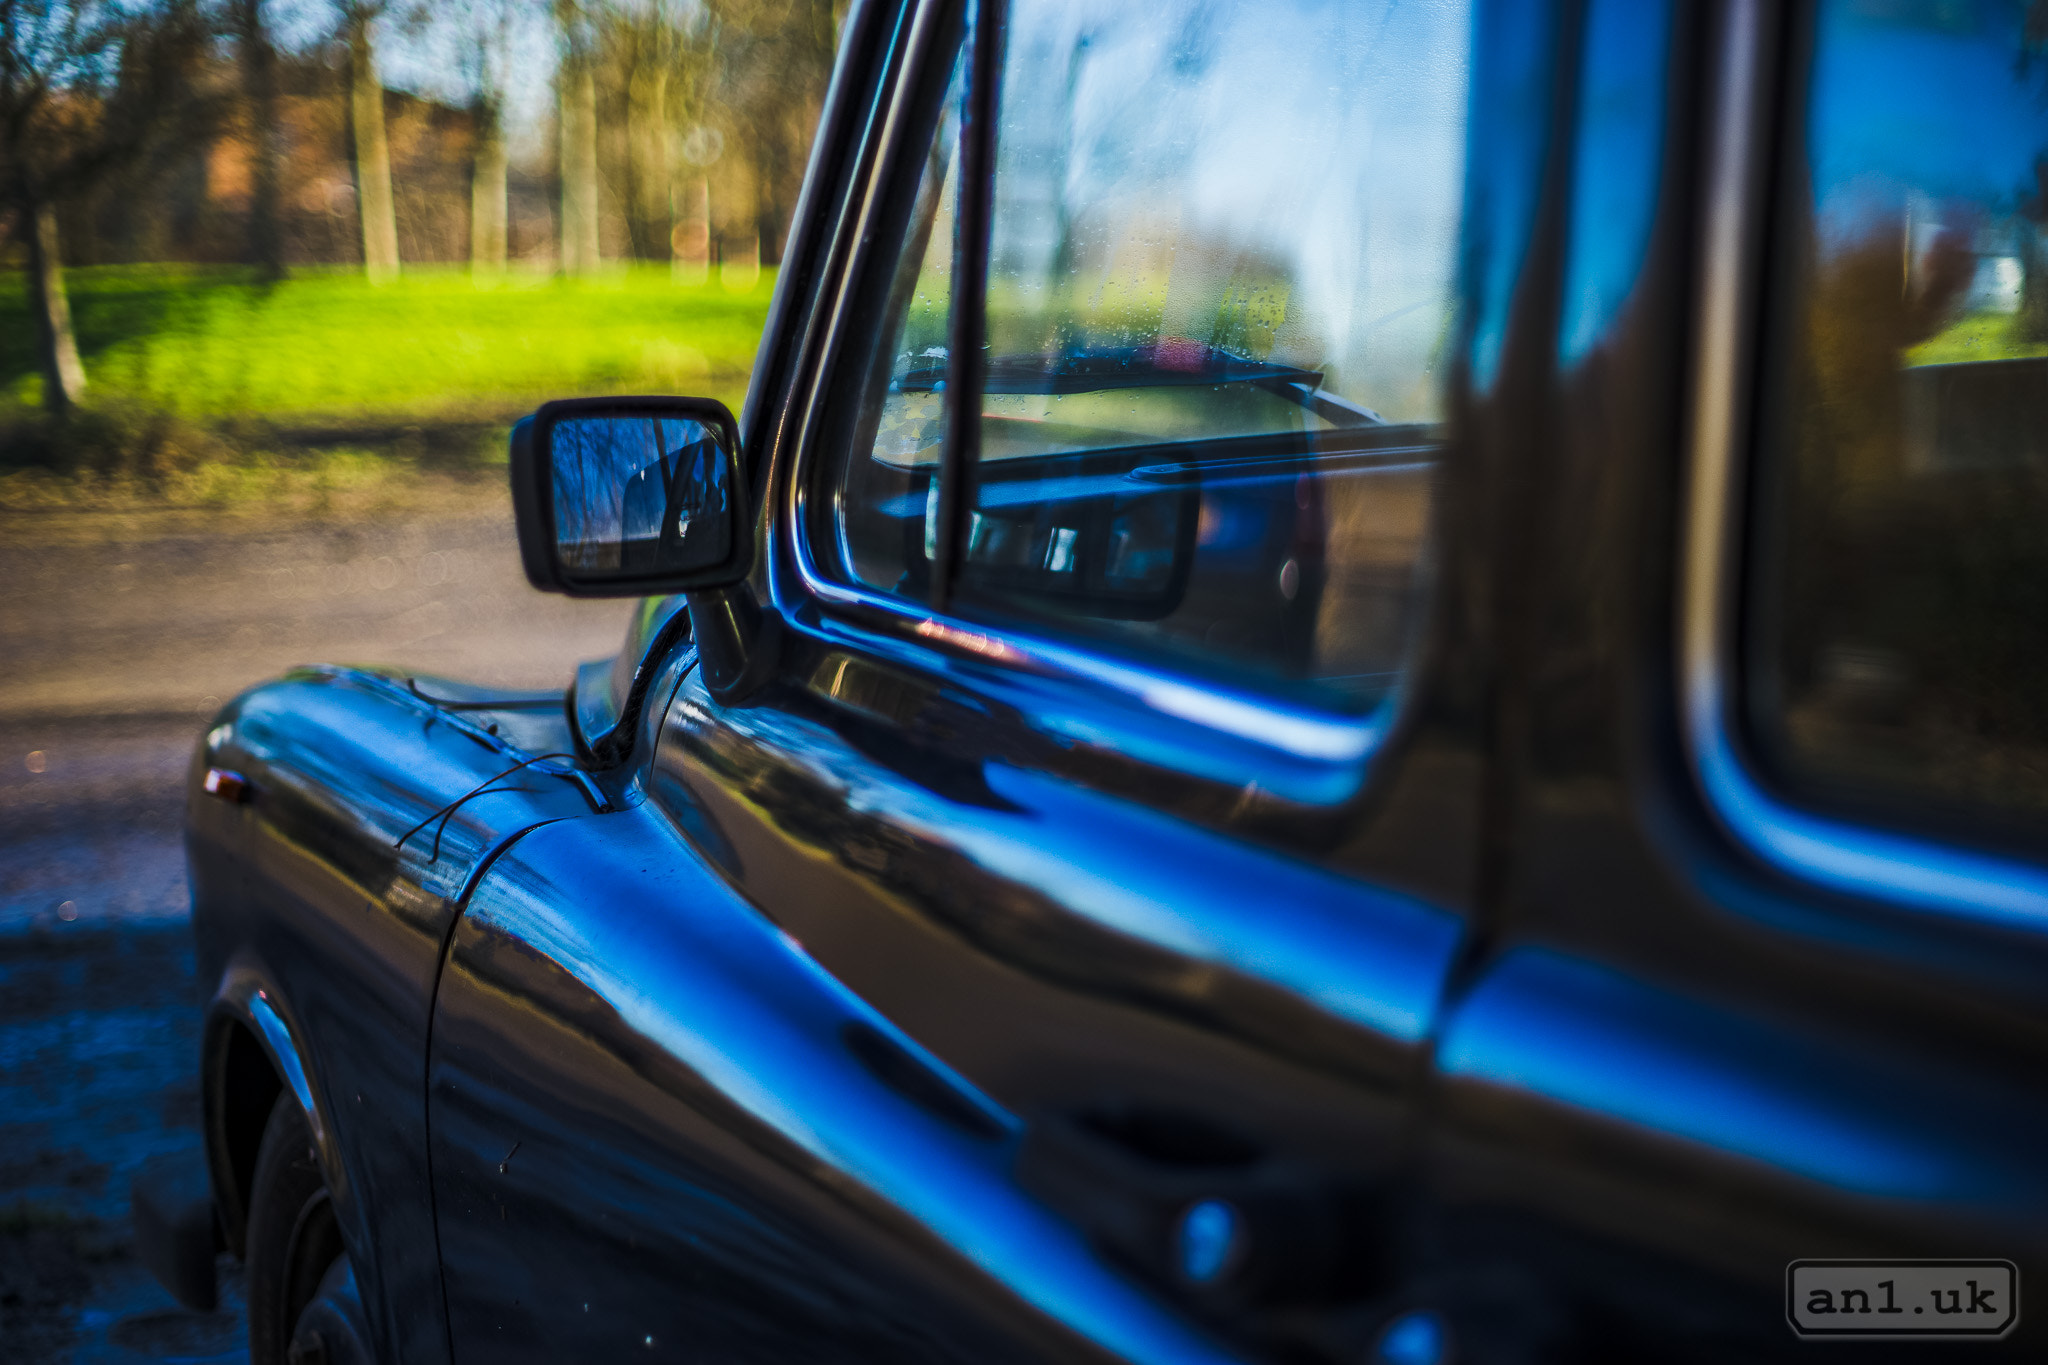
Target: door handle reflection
[[1202, 1211]]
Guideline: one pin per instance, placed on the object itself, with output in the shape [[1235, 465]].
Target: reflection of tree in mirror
[[675, 507], [631, 490]]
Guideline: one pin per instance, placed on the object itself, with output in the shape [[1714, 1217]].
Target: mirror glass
[[639, 493]]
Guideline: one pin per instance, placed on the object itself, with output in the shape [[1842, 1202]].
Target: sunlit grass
[[1976, 336], [323, 394], [212, 344]]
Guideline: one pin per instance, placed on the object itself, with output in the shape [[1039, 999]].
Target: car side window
[[1897, 644], [880, 528], [1221, 290]]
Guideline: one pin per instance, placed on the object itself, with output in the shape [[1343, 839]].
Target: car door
[[329, 867], [1762, 979], [1032, 892]]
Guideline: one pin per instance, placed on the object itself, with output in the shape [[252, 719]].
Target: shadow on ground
[[99, 1029]]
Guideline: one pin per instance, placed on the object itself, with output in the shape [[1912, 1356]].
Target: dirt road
[[118, 637]]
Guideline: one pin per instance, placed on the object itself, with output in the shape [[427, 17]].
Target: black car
[[1366, 682]]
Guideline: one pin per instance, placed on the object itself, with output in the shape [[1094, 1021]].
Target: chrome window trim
[[1909, 871], [1301, 732]]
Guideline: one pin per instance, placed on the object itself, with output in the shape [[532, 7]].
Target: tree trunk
[[690, 239], [579, 169], [56, 343], [739, 262], [652, 179], [373, 157], [488, 210], [771, 174], [259, 75]]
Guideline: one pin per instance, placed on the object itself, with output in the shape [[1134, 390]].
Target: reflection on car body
[[1361, 688]]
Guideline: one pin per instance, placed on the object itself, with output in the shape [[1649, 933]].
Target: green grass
[[325, 395], [1976, 336], [212, 345]]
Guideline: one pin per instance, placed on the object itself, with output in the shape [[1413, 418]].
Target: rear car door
[[1032, 893], [1762, 974]]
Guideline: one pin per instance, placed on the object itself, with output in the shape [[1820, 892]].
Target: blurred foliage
[[255, 473], [704, 108], [140, 132], [118, 440], [89, 88]]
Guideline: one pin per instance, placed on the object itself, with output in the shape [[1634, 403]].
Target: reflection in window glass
[[1221, 289], [887, 483], [1220, 293], [1899, 656]]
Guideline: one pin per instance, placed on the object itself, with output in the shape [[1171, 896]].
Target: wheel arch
[[250, 1056]]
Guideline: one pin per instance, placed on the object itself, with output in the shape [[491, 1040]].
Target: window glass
[[888, 484], [1221, 292], [1898, 651]]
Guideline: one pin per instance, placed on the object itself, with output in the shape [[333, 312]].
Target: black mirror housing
[[630, 497]]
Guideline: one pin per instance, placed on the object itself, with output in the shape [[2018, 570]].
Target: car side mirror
[[628, 497]]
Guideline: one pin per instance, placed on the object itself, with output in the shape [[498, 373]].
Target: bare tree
[[86, 86], [489, 202], [776, 57], [576, 105], [690, 238], [259, 81], [374, 202], [487, 31], [652, 145], [656, 58], [808, 39], [56, 339]]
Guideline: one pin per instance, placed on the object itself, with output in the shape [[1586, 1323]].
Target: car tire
[[295, 1250]]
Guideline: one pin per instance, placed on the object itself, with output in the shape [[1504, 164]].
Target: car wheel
[[303, 1306]]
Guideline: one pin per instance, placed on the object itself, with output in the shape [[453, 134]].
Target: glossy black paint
[[1670, 1069], [667, 1104], [322, 906], [870, 988]]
